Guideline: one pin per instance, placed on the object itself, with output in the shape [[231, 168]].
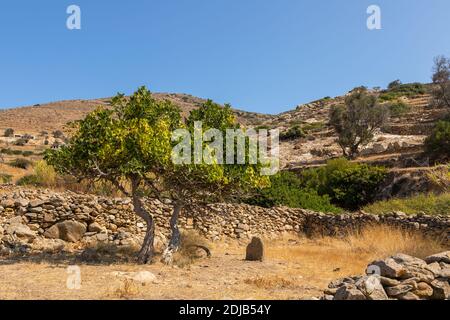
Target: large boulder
[[255, 250], [349, 292], [388, 268], [70, 231]]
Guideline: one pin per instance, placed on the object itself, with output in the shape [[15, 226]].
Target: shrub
[[21, 142], [286, 190], [429, 204], [398, 108], [349, 185], [9, 132], [58, 134], [438, 143], [27, 153], [402, 90], [294, 132], [21, 163], [45, 174], [5, 178], [28, 180]]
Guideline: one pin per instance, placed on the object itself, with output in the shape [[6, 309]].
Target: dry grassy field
[[294, 268]]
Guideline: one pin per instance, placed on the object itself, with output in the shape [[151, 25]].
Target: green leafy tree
[[131, 146], [438, 143], [127, 146], [190, 183], [441, 81], [357, 120]]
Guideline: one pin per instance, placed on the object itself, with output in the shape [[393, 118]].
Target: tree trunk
[[175, 239], [146, 253]]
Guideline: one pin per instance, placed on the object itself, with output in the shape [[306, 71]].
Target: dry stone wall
[[29, 214]]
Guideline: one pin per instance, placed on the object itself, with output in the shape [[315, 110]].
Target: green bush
[[438, 143], [21, 163], [402, 90], [286, 190], [398, 108], [5, 178], [28, 180], [294, 132], [9, 132], [27, 153], [349, 185], [429, 204]]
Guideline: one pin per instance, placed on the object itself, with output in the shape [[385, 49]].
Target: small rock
[[349, 292], [424, 290], [255, 250], [95, 227], [440, 257], [398, 290], [441, 289]]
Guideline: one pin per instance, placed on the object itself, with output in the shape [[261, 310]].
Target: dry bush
[[189, 250], [128, 290], [270, 282]]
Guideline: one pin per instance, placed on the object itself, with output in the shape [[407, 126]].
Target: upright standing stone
[[255, 250]]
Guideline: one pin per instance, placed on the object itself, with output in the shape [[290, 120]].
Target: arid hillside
[[55, 115]]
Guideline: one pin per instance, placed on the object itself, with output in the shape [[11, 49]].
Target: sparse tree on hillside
[[394, 84], [9, 132], [357, 120], [441, 81]]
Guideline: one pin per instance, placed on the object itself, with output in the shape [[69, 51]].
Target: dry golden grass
[[294, 268], [270, 282], [327, 258]]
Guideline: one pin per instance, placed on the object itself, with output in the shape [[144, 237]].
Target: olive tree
[[356, 121], [441, 81]]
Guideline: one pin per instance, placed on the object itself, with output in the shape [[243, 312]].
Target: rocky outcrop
[[29, 216], [400, 277]]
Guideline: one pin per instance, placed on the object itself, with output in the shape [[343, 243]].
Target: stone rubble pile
[[400, 277]]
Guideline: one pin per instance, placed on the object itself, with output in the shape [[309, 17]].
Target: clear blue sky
[[265, 56]]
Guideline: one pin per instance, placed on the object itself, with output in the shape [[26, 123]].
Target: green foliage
[[9, 132], [349, 185], [10, 152], [133, 142], [429, 204], [286, 190], [21, 142], [357, 120], [45, 174], [20, 163], [29, 180], [438, 143], [295, 132], [398, 108], [397, 90], [5, 178]]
